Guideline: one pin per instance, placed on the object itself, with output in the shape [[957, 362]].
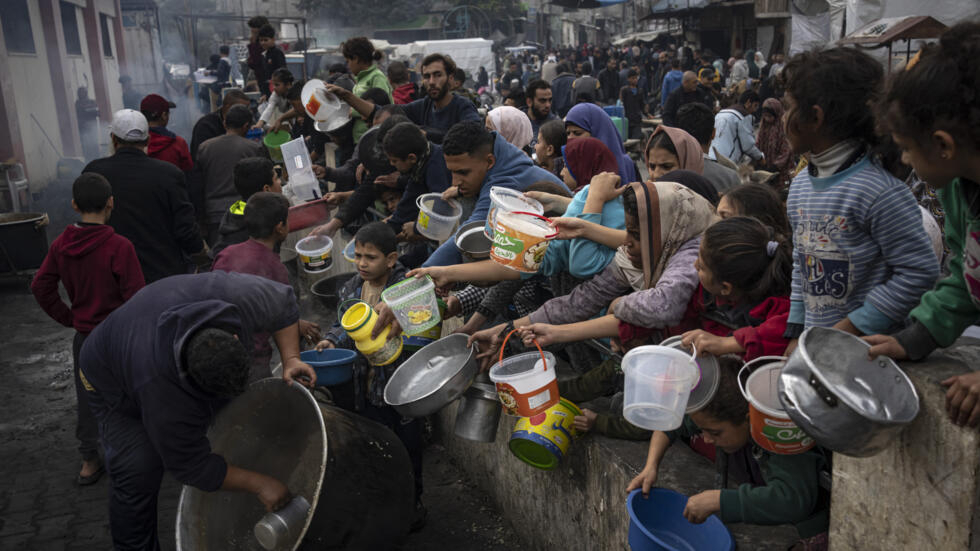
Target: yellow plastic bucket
[[359, 321], [542, 440]]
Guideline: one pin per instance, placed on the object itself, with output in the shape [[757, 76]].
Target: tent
[[468, 53]]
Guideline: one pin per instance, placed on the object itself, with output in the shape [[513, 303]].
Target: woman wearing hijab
[[584, 158], [652, 275], [672, 149], [772, 140], [513, 125], [750, 61], [589, 120]]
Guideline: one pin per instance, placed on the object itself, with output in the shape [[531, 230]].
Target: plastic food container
[[437, 217], [521, 240], [349, 251], [273, 141], [541, 441], [314, 253], [414, 303], [771, 427], [658, 384], [708, 376], [302, 180], [526, 383], [507, 200]]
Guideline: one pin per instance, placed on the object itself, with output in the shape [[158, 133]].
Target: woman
[[672, 149], [584, 158], [589, 120], [754, 70], [513, 125], [772, 140], [361, 56]]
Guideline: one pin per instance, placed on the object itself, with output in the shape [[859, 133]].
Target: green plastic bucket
[[273, 140]]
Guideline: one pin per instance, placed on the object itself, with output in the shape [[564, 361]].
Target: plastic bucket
[[542, 440], [314, 253], [526, 383], [414, 303], [658, 384], [521, 240], [437, 217], [359, 321], [273, 141], [308, 214], [771, 428], [657, 523], [504, 199], [333, 366]]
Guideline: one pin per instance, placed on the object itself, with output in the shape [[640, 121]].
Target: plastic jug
[[359, 321]]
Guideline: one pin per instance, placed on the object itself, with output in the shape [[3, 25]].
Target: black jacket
[[680, 97], [151, 210], [609, 85]]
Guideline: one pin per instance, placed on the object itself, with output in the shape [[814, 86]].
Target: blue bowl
[[658, 523], [333, 366]]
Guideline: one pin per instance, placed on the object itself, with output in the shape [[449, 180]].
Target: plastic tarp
[[469, 53], [808, 31], [950, 12]]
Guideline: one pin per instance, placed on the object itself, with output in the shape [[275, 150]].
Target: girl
[[587, 120], [551, 140], [777, 489], [862, 257], [282, 80], [673, 149], [361, 60], [585, 157], [771, 140], [758, 201], [512, 125], [933, 112]]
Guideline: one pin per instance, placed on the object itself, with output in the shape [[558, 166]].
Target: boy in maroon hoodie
[[164, 144], [100, 271]]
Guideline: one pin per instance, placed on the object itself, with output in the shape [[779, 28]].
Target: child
[[861, 256], [759, 201], [633, 99], [252, 175], [376, 258], [272, 57], [282, 80], [100, 271], [931, 109], [671, 149], [419, 161], [551, 138], [777, 489], [742, 304]]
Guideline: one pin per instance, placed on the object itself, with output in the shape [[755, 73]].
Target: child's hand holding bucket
[[544, 333], [701, 506], [708, 344], [586, 421], [488, 342]]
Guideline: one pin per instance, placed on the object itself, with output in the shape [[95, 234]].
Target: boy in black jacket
[[252, 175]]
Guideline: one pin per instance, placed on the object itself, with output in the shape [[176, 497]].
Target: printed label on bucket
[[423, 220], [506, 247], [527, 405], [313, 106], [784, 432]]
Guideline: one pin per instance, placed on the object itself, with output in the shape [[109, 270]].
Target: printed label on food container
[[539, 399], [313, 105], [298, 161], [423, 220], [505, 246]]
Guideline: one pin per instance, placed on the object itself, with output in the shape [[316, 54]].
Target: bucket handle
[[550, 222], [341, 305], [503, 346], [741, 385]]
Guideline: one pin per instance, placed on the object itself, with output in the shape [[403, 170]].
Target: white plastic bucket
[[657, 387], [526, 383], [507, 200], [771, 428], [314, 252], [437, 217]]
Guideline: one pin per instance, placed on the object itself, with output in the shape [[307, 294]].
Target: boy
[[100, 271], [252, 175], [265, 220], [422, 163], [272, 57], [376, 259], [634, 100]]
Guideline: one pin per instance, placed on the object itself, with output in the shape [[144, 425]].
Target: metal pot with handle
[[847, 402]]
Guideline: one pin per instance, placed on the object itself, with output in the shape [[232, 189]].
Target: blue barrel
[[615, 111], [657, 523]]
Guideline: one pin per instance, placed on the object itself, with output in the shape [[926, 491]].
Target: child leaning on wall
[[100, 272], [933, 113]]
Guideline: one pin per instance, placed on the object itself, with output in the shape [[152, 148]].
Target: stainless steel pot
[[348, 468], [433, 377], [472, 243], [845, 401], [479, 412]]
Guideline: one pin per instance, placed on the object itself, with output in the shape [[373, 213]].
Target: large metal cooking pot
[[846, 402], [479, 411], [355, 474], [433, 377]]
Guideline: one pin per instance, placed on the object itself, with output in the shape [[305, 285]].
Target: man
[[698, 120], [549, 69], [212, 125], [254, 60], [478, 160], [160, 367], [561, 88], [609, 83], [539, 100], [690, 91], [734, 137], [672, 80], [440, 109], [634, 103], [151, 205], [217, 159], [585, 89], [513, 73], [131, 98], [164, 144], [87, 113]]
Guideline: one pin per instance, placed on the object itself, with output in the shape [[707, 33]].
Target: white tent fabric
[[468, 53]]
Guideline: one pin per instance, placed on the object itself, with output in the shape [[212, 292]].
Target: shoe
[[92, 478], [418, 521]]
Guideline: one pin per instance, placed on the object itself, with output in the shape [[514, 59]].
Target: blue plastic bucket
[[615, 111], [333, 366], [658, 524]]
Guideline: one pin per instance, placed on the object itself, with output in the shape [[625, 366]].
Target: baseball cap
[[155, 103], [129, 125]]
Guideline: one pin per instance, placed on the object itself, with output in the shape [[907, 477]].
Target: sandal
[[92, 478]]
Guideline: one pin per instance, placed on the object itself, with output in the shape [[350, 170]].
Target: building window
[[106, 39], [69, 24], [16, 23]]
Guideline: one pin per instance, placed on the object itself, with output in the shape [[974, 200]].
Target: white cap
[[129, 125]]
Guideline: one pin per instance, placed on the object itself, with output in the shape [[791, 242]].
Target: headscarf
[[690, 156], [586, 157], [595, 121], [760, 60], [513, 125], [750, 60], [669, 215], [694, 182], [772, 138]]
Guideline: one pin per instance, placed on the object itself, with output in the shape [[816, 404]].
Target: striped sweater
[[859, 249]]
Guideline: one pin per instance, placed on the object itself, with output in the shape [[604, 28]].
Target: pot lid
[[708, 380]]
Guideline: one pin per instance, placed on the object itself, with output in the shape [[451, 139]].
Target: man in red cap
[[164, 144]]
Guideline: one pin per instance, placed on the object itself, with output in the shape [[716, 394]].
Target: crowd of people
[[847, 237]]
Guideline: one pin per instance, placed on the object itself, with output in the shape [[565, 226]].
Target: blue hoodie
[[434, 177], [512, 169], [134, 361]]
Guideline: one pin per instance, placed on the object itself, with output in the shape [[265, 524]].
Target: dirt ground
[[42, 508]]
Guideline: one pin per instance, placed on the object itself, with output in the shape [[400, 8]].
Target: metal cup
[[279, 527]]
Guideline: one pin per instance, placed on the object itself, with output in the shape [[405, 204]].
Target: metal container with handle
[[847, 402], [433, 377], [479, 411]]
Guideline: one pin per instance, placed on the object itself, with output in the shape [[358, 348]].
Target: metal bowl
[[845, 401], [472, 243], [433, 377]]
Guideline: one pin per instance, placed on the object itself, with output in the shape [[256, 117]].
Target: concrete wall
[[144, 62]]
